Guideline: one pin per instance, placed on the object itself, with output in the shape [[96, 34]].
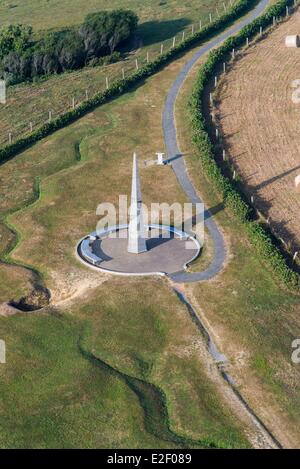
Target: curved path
[[176, 158]]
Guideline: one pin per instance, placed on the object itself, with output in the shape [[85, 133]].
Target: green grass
[[52, 396], [135, 333], [77, 380], [54, 14]]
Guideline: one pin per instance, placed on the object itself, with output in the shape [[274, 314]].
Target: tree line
[[95, 41]]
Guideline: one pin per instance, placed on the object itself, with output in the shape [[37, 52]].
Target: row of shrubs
[[121, 86], [228, 189]]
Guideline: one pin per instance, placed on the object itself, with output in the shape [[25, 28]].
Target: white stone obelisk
[[136, 229]]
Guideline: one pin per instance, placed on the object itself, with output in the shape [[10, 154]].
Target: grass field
[[109, 347], [160, 21], [260, 124], [101, 332], [110, 372], [54, 14]]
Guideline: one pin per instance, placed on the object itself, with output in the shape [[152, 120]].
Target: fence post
[[210, 98], [30, 126], [287, 11], [295, 256], [200, 25], [224, 67], [174, 41], [86, 94], [183, 35], [136, 64], [247, 42], [260, 31], [73, 103], [210, 18], [192, 30], [161, 49], [224, 155], [233, 53], [9, 137], [50, 116], [216, 80], [107, 83]]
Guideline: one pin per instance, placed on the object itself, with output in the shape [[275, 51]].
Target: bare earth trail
[[176, 159]]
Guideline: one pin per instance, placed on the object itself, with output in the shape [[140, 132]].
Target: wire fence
[[30, 107], [219, 138]]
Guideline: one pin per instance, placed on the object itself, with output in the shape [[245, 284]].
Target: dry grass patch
[[260, 124]]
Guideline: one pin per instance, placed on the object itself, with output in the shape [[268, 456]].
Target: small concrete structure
[[292, 41], [87, 252], [297, 183], [136, 230], [160, 158]]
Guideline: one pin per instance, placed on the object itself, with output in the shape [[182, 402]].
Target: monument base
[[168, 251]]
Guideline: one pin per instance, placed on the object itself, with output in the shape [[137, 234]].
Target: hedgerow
[[121, 86], [232, 197]]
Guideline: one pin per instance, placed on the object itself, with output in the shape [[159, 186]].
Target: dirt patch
[[75, 285], [37, 299], [7, 310]]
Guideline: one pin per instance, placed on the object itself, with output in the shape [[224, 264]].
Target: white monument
[[136, 228], [160, 158]]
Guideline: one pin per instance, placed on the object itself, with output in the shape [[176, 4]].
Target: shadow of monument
[[97, 249], [153, 243]]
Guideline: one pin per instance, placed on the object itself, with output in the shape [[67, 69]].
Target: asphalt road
[[177, 161]]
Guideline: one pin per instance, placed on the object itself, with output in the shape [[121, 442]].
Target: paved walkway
[[177, 161]]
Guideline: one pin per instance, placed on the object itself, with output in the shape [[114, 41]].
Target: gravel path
[[176, 158]]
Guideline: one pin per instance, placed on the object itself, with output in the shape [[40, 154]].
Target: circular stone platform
[[169, 251]]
